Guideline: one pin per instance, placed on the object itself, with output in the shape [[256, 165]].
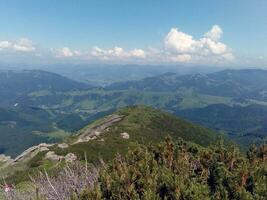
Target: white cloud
[[181, 58], [138, 53], [178, 44], [64, 52], [116, 53], [215, 33], [177, 47], [77, 53], [107, 53], [5, 44], [96, 51], [21, 45], [24, 45]]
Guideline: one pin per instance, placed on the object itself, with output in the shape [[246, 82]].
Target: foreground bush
[[167, 171], [72, 179], [182, 171]]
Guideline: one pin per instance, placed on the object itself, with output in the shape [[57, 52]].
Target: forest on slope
[[229, 101]]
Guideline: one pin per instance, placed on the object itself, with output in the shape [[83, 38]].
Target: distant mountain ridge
[[16, 84], [69, 104], [245, 83], [234, 101]]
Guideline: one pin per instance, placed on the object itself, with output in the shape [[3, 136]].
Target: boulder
[[51, 155], [70, 157], [125, 135], [4, 158]]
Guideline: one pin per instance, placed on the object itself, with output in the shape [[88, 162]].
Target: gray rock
[[51, 155], [93, 132], [70, 157], [125, 135], [63, 145]]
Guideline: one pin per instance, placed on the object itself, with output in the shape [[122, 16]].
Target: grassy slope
[[89, 103], [145, 125]]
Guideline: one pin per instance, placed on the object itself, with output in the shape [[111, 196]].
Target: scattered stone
[[102, 140], [51, 155], [107, 129], [97, 133], [70, 157], [4, 158], [125, 135], [43, 149], [93, 138], [63, 145]]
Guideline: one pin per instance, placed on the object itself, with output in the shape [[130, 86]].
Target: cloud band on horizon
[[177, 47]]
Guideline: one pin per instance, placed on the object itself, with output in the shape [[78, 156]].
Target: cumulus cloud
[[181, 58], [24, 45], [106, 53], [116, 53], [183, 47], [66, 52], [179, 42], [215, 33], [138, 53], [5, 45], [21, 45], [177, 47]]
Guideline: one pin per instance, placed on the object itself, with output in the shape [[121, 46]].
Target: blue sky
[[134, 31]]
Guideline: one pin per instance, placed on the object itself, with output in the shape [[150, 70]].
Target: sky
[[206, 32]]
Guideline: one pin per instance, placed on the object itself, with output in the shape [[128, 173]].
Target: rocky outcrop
[[25, 156], [90, 133], [5, 159], [70, 157], [32, 151], [63, 145], [51, 155], [93, 132]]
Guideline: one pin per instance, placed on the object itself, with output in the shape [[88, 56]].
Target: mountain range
[[230, 101]]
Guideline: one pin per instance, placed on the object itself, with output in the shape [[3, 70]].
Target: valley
[[133, 100], [104, 138], [54, 107], [131, 141]]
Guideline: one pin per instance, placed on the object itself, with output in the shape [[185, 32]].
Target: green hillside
[[221, 101], [245, 125], [247, 83], [16, 85], [22, 127], [180, 95], [143, 125]]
